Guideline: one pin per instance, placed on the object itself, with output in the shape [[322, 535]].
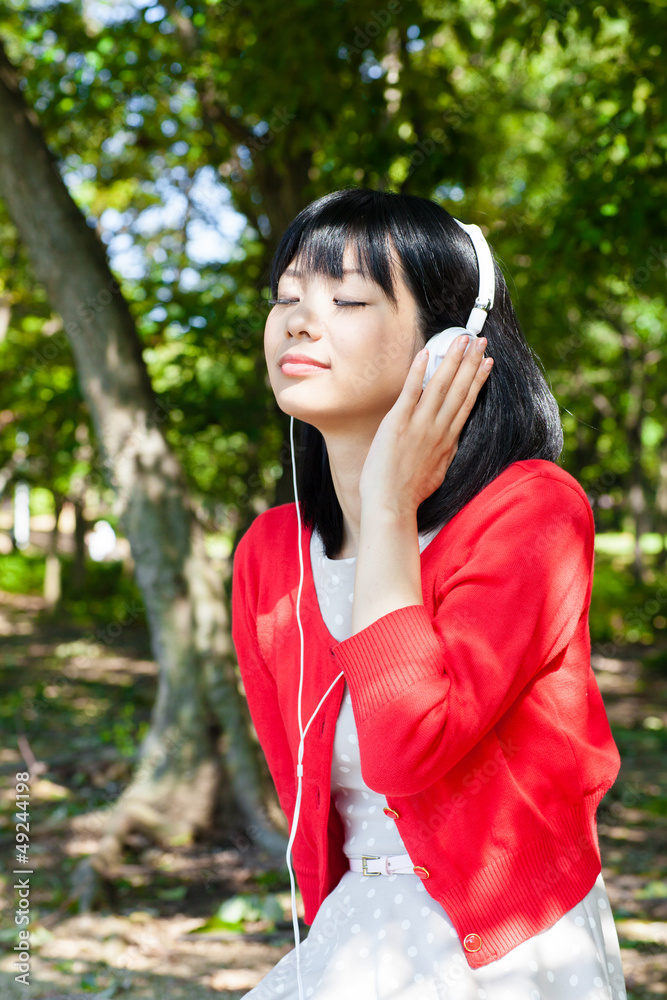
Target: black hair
[[515, 416]]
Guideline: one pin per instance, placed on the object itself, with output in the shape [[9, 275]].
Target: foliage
[[191, 133], [625, 612], [238, 911], [108, 601]]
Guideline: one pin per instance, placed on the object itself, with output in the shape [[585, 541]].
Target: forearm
[[388, 572], [511, 596]]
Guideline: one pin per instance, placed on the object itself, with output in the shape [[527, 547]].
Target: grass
[[81, 692]]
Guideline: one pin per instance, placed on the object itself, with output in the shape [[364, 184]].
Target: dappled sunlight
[[149, 958], [74, 696], [12, 621], [149, 949]]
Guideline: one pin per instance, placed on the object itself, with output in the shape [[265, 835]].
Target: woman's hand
[[417, 439]]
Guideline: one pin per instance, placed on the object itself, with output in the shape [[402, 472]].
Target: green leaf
[[654, 890]]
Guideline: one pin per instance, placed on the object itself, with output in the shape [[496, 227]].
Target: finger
[[471, 363], [412, 388], [444, 374], [468, 371], [460, 366], [475, 350], [458, 419]]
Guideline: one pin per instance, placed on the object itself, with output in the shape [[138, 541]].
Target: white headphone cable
[[302, 731]]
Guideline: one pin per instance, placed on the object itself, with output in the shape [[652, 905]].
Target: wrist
[[375, 511]]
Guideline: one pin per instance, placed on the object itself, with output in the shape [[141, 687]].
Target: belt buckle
[[364, 859]]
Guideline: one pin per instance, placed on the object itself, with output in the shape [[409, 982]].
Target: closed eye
[[287, 302]]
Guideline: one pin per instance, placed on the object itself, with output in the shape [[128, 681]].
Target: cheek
[[363, 340], [271, 337], [388, 355], [381, 372]]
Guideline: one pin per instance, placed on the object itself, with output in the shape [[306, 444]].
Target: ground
[[76, 701]]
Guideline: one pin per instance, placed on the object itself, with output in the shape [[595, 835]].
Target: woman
[[446, 842]]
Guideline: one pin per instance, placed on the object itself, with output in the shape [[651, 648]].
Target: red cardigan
[[478, 714]]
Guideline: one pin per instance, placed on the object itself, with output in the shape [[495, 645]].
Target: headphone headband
[[485, 295]]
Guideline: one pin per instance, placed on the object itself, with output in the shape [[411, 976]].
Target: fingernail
[[462, 343], [480, 345], [487, 363]]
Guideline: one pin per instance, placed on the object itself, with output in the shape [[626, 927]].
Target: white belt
[[383, 864]]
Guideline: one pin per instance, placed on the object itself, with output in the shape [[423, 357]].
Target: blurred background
[[151, 155]]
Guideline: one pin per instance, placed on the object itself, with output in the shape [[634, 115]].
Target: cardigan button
[[390, 812], [472, 942], [418, 869]]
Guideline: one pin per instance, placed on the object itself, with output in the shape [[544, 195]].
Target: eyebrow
[[301, 274]]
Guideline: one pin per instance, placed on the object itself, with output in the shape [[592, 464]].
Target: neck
[[347, 453]]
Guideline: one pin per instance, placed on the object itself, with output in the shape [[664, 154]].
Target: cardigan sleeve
[[262, 697], [425, 690]]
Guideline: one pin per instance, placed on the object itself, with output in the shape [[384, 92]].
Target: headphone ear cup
[[438, 346]]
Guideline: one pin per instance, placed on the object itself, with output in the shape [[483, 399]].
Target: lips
[[300, 359]]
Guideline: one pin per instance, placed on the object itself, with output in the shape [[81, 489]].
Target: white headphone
[[439, 342], [437, 345]]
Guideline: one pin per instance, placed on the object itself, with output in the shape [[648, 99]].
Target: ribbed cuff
[[389, 655], [310, 894]]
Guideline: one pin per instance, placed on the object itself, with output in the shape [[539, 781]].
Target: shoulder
[[271, 521], [266, 533], [533, 520], [526, 496], [538, 478]]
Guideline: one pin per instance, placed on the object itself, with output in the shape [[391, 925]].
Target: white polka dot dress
[[384, 937]]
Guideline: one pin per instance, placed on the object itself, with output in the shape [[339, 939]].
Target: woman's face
[[366, 349]]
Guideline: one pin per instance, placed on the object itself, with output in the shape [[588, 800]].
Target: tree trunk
[[79, 564], [173, 792], [52, 570], [661, 506], [636, 493]]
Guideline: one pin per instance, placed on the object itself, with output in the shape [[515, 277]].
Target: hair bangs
[[316, 241]]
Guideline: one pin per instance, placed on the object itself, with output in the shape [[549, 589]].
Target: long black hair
[[515, 416]]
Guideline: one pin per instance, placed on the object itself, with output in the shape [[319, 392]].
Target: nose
[[303, 320]]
